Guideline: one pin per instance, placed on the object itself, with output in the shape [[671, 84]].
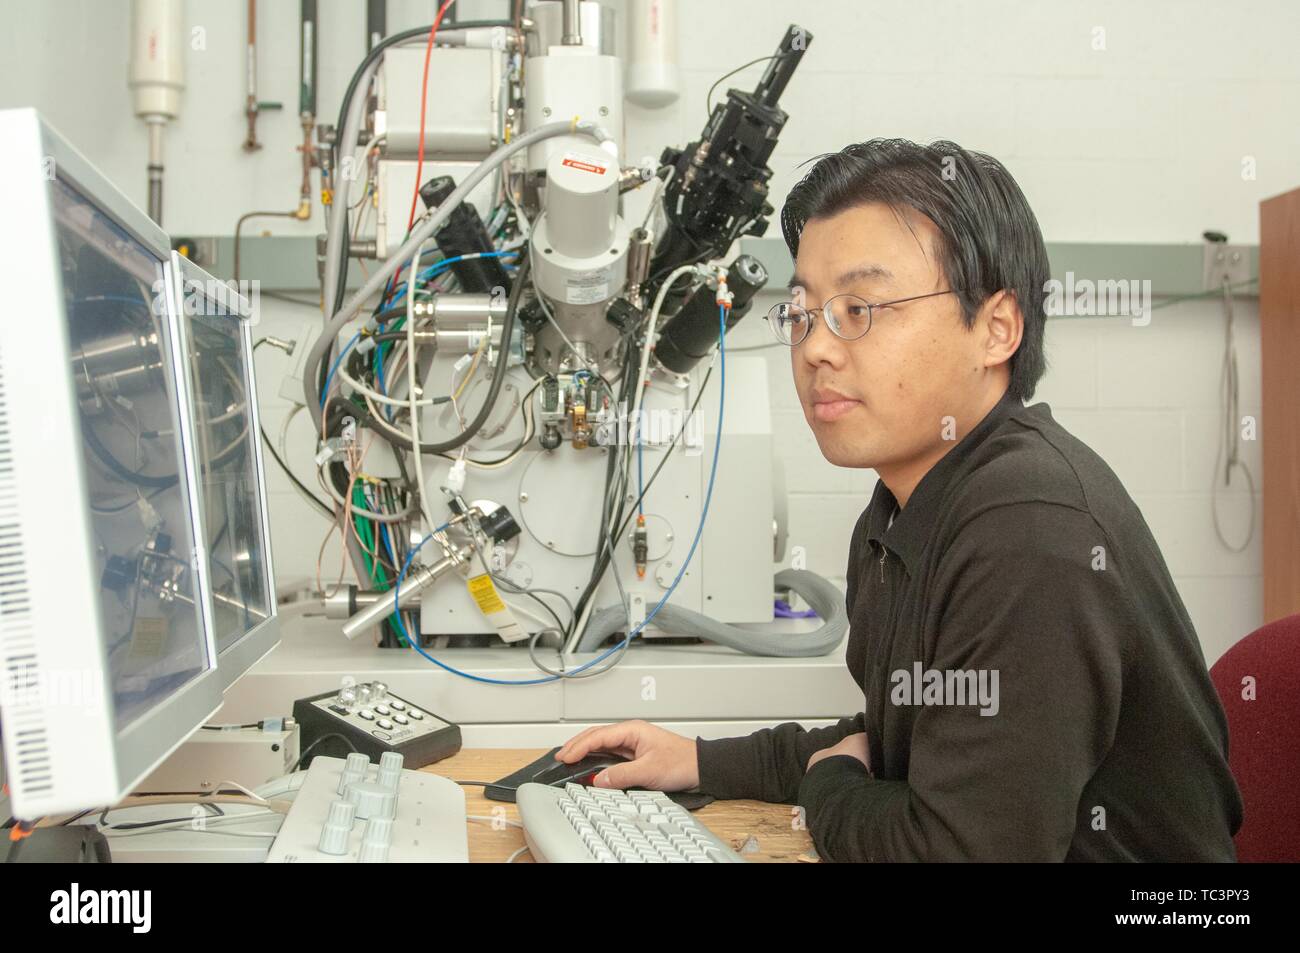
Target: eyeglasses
[[847, 315]]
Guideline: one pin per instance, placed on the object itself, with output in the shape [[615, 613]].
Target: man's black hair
[[989, 239]]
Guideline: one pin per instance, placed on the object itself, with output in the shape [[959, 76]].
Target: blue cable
[[704, 512], [439, 267], [334, 367]]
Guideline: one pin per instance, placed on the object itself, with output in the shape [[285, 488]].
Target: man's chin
[[841, 453]]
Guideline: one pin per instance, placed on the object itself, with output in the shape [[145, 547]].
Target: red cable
[[424, 93]]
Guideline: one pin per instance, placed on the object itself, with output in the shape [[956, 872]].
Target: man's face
[[917, 365]]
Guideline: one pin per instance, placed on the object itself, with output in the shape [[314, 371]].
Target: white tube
[[652, 80], [157, 70]]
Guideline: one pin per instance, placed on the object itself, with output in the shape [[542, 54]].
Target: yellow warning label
[[485, 594]]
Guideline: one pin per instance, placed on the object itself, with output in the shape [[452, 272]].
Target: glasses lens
[[849, 316], [789, 322]]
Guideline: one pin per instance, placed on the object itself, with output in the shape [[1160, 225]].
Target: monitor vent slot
[[19, 662]]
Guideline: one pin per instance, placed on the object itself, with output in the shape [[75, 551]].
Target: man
[[1034, 688]]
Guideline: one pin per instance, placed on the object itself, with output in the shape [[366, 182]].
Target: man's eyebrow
[[860, 273]]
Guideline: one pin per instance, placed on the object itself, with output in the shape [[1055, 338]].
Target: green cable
[[366, 532]]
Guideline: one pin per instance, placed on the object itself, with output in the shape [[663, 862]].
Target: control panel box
[[369, 719]]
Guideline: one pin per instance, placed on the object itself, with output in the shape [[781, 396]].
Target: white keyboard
[[578, 825], [354, 811]]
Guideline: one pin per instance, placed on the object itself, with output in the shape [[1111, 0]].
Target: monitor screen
[[229, 475], [122, 366]]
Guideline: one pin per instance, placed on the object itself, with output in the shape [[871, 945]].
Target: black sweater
[[1021, 566]]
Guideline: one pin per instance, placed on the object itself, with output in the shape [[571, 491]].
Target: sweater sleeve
[[769, 764], [1024, 607]]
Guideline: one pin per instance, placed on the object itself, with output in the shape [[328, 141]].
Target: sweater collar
[[914, 523]]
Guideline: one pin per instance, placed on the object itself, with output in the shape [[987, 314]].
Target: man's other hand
[[855, 745]]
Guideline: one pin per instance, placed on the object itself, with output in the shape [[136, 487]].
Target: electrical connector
[[456, 477]]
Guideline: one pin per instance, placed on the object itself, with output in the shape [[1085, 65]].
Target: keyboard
[[354, 811], [578, 825]]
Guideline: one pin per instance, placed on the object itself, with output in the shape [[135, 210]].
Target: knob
[[375, 840], [391, 759], [389, 777], [372, 799], [364, 693], [356, 762], [338, 828], [349, 777], [347, 696], [379, 688]]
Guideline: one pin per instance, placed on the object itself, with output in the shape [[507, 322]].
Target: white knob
[[372, 799], [356, 762], [390, 759], [375, 840], [338, 828], [349, 777], [378, 830], [390, 777]]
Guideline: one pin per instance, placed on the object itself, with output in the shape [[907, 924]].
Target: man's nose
[[821, 346]]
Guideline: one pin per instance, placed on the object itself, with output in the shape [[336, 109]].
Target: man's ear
[[1004, 326]]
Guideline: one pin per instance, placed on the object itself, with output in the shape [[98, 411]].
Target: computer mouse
[[582, 772]]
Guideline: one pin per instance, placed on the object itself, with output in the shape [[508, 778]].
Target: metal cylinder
[[640, 248], [415, 583], [460, 311]]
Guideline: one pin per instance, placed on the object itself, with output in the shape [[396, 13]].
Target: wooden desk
[[771, 825]]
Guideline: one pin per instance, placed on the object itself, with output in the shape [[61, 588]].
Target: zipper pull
[[883, 553]]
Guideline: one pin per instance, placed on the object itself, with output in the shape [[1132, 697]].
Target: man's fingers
[[566, 750], [630, 774], [619, 738]]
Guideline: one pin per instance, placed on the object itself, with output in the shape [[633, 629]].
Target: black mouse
[[546, 770], [582, 771]]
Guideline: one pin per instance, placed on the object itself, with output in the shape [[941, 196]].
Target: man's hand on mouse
[[854, 745], [659, 759]]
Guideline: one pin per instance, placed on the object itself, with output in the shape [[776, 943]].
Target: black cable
[[602, 551], [121, 470], [650, 482], [494, 390], [141, 825], [332, 734], [326, 510]]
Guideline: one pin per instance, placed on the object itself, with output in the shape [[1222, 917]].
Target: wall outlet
[[1225, 261]]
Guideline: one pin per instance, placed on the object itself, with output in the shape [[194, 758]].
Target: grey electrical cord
[[824, 598], [338, 222], [352, 307], [1229, 435]]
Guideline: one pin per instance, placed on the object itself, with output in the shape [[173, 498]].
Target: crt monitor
[[215, 340], [107, 659]]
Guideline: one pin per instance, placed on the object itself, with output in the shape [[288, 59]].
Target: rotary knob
[[375, 840], [356, 762], [372, 799], [338, 828]]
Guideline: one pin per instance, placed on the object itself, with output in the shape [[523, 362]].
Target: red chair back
[[1258, 681]]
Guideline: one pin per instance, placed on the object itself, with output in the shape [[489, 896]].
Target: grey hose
[[352, 307], [822, 595], [338, 222]]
